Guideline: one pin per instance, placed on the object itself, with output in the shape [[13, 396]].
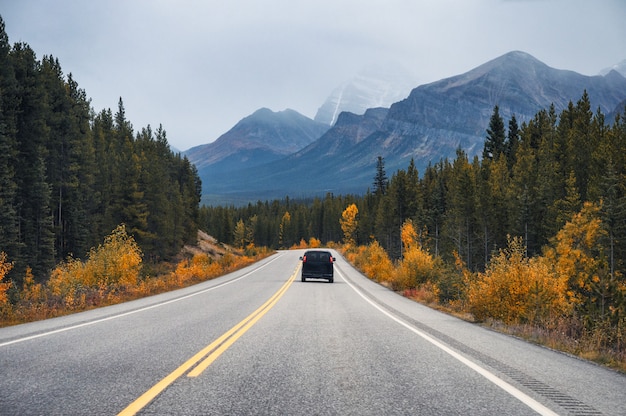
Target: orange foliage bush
[[568, 295], [416, 268], [314, 242], [5, 267], [373, 261], [577, 256], [110, 275], [32, 292], [516, 289], [113, 266], [301, 245], [349, 224], [201, 266]]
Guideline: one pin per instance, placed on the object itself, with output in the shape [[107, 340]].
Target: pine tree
[[613, 215], [523, 193], [9, 242], [69, 161], [512, 141], [380, 180], [581, 145], [33, 191], [460, 223], [434, 206], [495, 140]]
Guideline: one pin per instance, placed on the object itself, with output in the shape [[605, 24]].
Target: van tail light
[[304, 259], [331, 259]]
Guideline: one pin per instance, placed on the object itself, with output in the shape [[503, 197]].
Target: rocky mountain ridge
[[260, 138], [430, 124]]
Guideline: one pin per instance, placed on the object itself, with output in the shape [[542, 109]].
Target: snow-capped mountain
[[619, 67], [375, 86]]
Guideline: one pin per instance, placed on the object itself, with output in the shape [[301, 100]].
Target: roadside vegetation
[[114, 272], [545, 299]]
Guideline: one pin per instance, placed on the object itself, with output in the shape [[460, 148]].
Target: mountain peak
[[374, 86], [515, 58], [619, 67], [265, 113], [518, 55], [262, 136], [511, 64], [517, 82]]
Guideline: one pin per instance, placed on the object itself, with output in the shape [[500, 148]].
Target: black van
[[317, 264]]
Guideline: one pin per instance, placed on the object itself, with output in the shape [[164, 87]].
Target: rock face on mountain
[[430, 124], [374, 86], [440, 117], [262, 137], [518, 83]]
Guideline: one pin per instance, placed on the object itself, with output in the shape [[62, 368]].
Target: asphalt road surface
[[261, 342]]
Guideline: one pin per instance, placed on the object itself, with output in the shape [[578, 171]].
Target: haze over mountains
[[430, 124], [373, 87]]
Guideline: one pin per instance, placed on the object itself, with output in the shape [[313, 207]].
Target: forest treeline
[[70, 176], [540, 216]]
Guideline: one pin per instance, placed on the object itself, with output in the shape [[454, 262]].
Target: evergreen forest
[[70, 176]]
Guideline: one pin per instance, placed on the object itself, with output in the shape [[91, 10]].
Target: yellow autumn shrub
[[314, 242], [113, 265], [5, 268], [199, 267], [376, 263], [417, 265], [349, 224], [32, 292], [416, 268], [517, 289], [302, 244], [576, 254]]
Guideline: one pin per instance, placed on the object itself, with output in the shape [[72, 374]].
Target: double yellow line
[[208, 354]]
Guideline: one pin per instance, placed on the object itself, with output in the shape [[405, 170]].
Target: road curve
[[259, 341]]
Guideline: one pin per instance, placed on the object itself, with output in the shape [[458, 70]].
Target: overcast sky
[[199, 66]]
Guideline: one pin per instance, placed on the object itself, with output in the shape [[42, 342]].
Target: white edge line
[[521, 396], [121, 315]]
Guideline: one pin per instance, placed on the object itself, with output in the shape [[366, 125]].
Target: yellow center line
[[213, 350]]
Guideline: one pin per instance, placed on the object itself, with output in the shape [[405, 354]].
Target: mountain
[[430, 124], [262, 137], [374, 86], [303, 174], [619, 67], [454, 112]]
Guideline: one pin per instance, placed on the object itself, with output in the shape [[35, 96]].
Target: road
[[259, 341]]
